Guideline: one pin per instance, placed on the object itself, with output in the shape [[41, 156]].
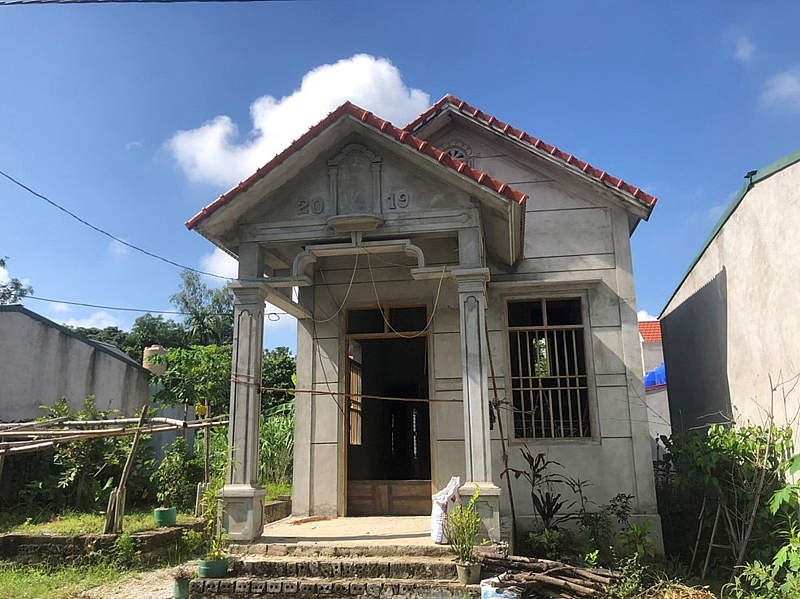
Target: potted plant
[[180, 588], [461, 529], [170, 478], [214, 564]]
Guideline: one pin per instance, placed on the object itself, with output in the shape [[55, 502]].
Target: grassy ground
[[23, 582], [75, 524]]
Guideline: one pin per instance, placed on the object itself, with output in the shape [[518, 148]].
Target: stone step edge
[[278, 549], [374, 586], [364, 559]]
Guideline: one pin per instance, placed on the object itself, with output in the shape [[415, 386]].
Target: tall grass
[[276, 447]]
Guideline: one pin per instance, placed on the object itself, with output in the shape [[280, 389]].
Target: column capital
[[464, 275], [249, 291]]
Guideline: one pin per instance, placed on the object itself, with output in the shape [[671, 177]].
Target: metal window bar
[[549, 388]]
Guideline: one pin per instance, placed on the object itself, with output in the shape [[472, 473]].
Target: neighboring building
[[655, 385], [43, 361], [404, 248], [733, 322]]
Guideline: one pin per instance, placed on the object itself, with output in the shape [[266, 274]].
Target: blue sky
[[681, 99]]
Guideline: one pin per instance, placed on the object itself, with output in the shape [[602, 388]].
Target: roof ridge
[[382, 126], [463, 107]]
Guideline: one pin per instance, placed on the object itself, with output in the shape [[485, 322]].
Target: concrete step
[[318, 550], [403, 567], [312, 587]]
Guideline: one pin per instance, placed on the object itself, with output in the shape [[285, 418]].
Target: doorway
[[388, 440]]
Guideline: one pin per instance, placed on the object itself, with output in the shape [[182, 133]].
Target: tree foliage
[[14, 290], [210, 311], [196, 375], [150, 330], [110, 335], [277, 371]]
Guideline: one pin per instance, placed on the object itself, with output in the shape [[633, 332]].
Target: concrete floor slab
[[376, 530]]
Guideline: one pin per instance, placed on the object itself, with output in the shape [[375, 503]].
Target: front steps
[[303, 572]]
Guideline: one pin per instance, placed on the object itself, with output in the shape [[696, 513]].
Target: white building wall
[[42, 364], [733, 323]]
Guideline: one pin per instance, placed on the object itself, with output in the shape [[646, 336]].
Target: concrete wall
[[42, 363], [733, 323]]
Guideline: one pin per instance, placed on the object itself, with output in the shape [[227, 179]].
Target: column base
[[241, 509], [488, 505]]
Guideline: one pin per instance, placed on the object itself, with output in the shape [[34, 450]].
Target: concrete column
[[242, 499], [475, 383]]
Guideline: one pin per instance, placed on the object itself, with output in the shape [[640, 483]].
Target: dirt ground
[[155, 584]]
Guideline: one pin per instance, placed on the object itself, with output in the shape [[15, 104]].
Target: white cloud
[[743, 49], [645, 315], [98, 320], [715, 212], [219, 263], [117, 249], [214, 153], [4, 276], [60, 307], [132, 145], [782, 91]]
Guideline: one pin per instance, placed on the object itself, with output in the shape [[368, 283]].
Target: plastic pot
[[165, 516], [212, 568]]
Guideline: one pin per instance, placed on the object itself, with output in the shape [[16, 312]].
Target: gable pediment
[[353, 178]]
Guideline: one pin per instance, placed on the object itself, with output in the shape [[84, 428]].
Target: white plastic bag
[[490, 591], [442, 502]]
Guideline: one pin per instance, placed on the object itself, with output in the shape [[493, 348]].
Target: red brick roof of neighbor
[[379, 124], [470, 111], [650, 331]]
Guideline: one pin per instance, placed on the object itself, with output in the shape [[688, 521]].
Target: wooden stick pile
[[548, 578]]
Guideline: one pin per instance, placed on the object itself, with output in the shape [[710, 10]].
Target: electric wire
[[106, 233], [273, 316]]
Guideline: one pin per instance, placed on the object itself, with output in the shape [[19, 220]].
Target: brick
[[258, 587], [211, 585], [341, 588], [357, 588], [227, 586], [277, 550], [336, 569], [374, 589], [290, 586], [243, 586], [274, 586], [291, 569], [324, 588], [196, 585], [307, 587]]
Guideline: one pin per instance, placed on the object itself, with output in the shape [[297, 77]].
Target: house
[[430, 268], [731, 327], [44, 361], [655, 385]]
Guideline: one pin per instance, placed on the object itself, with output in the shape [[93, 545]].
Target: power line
[[106, 233], [22, 2], [270, 315]]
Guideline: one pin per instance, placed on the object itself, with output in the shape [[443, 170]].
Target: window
[[548, 369]]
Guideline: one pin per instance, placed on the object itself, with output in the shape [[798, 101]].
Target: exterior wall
[[733, 323], [41, 364], [576, 243]]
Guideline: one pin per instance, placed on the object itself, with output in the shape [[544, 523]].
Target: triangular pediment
[[359, 174]]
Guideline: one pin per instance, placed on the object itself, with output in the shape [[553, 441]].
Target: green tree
[[12, 291], [149, 330], [111, 335], [277, 371], [210, 311], [196, 375]]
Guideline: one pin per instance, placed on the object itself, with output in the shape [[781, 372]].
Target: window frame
[[594, 425]]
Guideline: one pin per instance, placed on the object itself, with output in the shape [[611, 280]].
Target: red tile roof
[[451, 101], [650, 330], [379, 124]]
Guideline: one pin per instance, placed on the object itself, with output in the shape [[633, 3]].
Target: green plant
[[548, 542], [635, 540], [193, 542], [177, 476], [127, 552], [276, 446], [461, 529], [631, 583]]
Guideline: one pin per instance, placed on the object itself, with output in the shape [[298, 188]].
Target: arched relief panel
[[355, 181]]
